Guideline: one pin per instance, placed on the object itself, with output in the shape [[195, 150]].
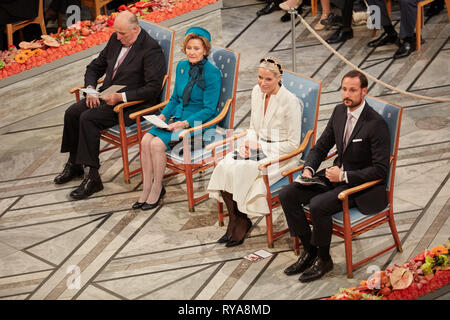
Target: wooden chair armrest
[[331, 154], [297, 151], [344, 194], [214, 121], [293, 170], [225, 141], [75, 89], [123, 105], [137, 114]]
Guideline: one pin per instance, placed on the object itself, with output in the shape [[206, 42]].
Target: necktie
[[348, 130], [120, 61]]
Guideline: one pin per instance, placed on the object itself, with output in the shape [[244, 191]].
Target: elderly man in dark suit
[[362, 140], [131, 58]]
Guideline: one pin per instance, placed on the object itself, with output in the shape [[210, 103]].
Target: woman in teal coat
[[193, 102]]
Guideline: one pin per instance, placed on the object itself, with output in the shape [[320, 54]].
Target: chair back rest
[[308, 91], [228, 63], [166, 40], [392, 114]]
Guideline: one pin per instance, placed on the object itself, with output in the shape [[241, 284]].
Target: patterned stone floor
[[46, 239]]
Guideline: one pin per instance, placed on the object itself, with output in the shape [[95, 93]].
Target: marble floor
[[54, 248]]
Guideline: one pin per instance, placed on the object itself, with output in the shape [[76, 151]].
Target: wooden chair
[[192, 161], [13, 27], [124, 137], [308, 90], [420, 19], [95, 6], [350, 223]]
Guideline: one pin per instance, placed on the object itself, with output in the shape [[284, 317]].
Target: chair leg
[[394, 232], [126, 165], [419, 23], [9, 33], [220, 213], [190, 187], [296, 245], [313, 7], [269, 226], [447, 4]]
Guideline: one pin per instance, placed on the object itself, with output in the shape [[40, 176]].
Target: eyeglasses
[[272, 61]]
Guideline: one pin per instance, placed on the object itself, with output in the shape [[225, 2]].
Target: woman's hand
[[246, 148], [176, 126], [252, 145], [162, 117]]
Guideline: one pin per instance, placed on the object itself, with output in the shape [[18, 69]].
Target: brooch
[[182, 71]]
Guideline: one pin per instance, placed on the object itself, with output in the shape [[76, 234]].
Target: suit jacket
[[18, 10], [366, 157], [142, 71]]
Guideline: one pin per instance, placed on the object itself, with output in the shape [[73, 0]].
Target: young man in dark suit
[[131, 58], [362, 140]]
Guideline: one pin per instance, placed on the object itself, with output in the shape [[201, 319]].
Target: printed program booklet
[[156, 121], [258, 255]]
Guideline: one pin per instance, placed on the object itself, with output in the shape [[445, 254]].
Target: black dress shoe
[[137, 205], [232, 243], [87, 188], [332, 20], [317, 270], [382, 40], [149, 206], [435, 8], [69, 172], [304, 262], [287, 16], [405, 50], [340, 36], [271, 7]]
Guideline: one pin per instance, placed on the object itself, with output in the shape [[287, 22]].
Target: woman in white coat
[[275, 129]]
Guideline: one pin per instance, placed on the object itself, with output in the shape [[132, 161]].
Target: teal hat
[[200, 32]]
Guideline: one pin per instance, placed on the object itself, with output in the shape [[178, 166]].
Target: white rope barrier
[[417, 96]]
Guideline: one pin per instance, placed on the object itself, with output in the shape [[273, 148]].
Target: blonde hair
[[190, 36], [271, 64]]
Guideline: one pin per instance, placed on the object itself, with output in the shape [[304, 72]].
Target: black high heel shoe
[[149, 206], [224, 239], [233, 243], [137, 205]]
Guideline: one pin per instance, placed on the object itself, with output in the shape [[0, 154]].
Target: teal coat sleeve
[[211, 95], [169, 109]]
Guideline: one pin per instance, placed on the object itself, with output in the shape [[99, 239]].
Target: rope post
[[293, 13]]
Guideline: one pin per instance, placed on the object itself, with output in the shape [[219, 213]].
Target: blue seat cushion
[[355, 216], [277, 186], [130, 130], [198, 154]]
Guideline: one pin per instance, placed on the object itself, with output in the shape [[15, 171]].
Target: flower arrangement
[[85, 34], [423, 274]]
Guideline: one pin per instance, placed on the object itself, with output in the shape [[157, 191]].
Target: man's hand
[[113, 99], [307, 173], [92, 101], [332, 174]]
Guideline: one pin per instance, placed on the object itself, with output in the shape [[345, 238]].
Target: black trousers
[[322, 204], [81, 133]]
